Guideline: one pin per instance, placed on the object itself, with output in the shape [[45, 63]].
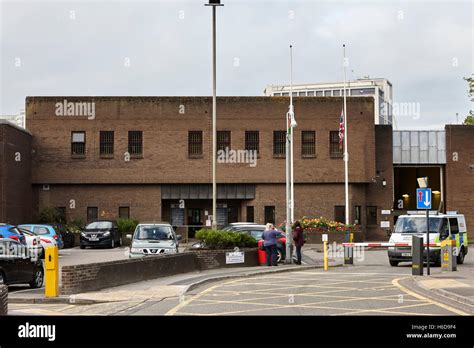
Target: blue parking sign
[[423, 198]]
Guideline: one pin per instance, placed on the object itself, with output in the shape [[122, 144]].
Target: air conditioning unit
[[45, 187]]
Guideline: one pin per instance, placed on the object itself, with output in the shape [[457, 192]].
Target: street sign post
[[423, 201]]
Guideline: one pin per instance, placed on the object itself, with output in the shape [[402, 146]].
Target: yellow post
[[351, 238], [325, 244], [51, 288]]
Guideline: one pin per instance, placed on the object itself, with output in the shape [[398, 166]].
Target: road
[[369, 287]]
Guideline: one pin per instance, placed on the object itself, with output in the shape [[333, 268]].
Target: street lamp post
[[214, 3]]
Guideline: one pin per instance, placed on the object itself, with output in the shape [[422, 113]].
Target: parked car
[[154, 239], [45, 241], [67, 236], [256, 231], [101, 233], [45, 230], [16, 267], [33, 242], [12, 232]]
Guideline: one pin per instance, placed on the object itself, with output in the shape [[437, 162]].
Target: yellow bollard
[[325, 255], [351, 238], [51, 288]]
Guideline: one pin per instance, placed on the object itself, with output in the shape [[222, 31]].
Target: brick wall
[[96, 276], [3, 300], [165, 131], [460, 172], [377, 194], [15, 174]]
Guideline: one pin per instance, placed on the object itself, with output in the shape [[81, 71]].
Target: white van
[[442, 226]]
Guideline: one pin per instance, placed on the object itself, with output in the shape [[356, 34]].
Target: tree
[[470, 118]]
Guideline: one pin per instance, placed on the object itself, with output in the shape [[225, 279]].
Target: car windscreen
[[40, 230], [417, 224], [99, 225], [154, 233]]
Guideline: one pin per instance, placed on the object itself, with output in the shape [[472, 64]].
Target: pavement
[[369, 287]]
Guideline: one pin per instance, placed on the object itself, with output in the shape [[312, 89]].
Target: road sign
[[423, 198]]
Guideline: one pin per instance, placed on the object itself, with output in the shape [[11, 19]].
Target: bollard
[[417, 255], [325, 249], [448, 255], [51, 264], [348, 255]]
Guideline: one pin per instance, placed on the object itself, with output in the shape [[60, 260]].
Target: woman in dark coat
[[298, 238]]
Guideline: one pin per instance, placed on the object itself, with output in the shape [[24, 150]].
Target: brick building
[[145, 157]]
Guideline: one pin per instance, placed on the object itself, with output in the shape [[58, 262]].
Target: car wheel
[[37, 281], [279, 256], [112, 243], [437, 262], [2, 279], [393, 263], [460, 258], [120, 241], [82, 246]]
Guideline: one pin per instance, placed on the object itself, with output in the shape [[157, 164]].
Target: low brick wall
[[209, 259], [96, 276], [3, 300]]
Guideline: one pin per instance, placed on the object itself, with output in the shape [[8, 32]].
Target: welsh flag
[[341, 129], [290, 120]]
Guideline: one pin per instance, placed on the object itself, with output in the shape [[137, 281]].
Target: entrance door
[[194, 220]]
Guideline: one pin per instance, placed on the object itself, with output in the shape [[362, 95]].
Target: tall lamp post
[[213, 4]]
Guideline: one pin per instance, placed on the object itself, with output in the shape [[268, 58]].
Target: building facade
[[379, 88], [149, 158]]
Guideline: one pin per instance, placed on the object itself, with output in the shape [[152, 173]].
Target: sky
[[163, 48]]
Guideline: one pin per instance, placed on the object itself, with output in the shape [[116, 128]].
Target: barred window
[[371, 215], [308, 144], [195, 144], [279, 143], [106, 143], [223, 140], [135, 143], [92, 214], [252, 141], [78, 144], [335, 150]]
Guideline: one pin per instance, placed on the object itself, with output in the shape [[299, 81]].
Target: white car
[[45, 241], [33, 242]]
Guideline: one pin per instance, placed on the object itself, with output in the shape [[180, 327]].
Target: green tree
[[470, 118]]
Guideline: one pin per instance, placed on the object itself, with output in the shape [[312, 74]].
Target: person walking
[[269, 237], [298, 238]]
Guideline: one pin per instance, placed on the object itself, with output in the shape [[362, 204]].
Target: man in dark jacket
[[269, 237], [298, 238]]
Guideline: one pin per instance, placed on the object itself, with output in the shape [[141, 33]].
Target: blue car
[[10, 231], [45, 230]]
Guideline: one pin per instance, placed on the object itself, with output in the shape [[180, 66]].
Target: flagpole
[[292, 178], [288, 171], [346, 154]]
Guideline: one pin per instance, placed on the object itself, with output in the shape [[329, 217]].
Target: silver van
[[154, 239]]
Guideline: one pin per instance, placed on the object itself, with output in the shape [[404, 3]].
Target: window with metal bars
[[308, 144], [78, 144], [135, 143], [279, 143], [106, 143], [335, 150], [223, 140], [195, 144], [252, 141]]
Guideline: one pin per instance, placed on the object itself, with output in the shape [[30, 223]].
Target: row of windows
[[195, 143], [106, 144], [328, 93], [269, 214]]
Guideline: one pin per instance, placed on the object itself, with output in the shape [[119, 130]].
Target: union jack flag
[[341, 129]]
